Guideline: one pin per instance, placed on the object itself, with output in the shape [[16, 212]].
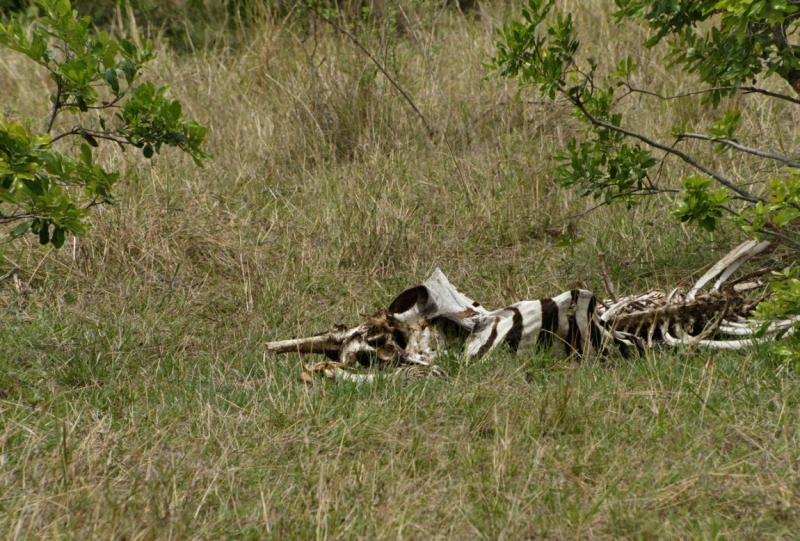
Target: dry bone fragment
[[434, 317]]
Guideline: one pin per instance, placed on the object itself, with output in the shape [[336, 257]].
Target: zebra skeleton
[[433, 317]]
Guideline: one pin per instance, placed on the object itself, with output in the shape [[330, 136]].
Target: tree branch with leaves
[[96, 84], [730, 45]]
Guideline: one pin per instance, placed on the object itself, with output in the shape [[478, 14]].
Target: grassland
[[136, 398]]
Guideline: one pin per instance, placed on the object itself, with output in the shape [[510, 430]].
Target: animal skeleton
[[434, 317]]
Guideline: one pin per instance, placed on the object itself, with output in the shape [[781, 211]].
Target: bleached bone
[[711, 344], [751, 328], [728, 265], [330, 342], [722, 344]]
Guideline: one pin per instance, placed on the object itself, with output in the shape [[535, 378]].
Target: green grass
[[228, 443], [136, 397]]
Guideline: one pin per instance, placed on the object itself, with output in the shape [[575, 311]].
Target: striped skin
[[567, 323]]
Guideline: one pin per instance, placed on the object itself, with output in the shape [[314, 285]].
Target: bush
[[46, 191]]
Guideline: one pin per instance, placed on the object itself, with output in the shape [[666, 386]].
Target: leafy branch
[[728, 44], [96, 82]]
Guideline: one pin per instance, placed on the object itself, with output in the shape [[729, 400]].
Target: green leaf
[[110, 76], [59, 236], [21, 229], [34, 185], [86, 154], [128, 70], [44, 234], [63, 8], [175, 109], [89, 138]]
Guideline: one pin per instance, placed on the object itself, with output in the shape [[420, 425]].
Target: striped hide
[[436, 316], [568, 323]]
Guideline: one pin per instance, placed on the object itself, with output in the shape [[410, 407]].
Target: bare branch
[[607, 277], [655, 144], [780, 236], [733, 144], [77, 130], [745, 89], [756, 90], [380, 66], [763, 230], [428, 127], [9, 274], [56, 106]]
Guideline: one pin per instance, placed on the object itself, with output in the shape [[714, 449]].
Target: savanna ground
[[136, 398]]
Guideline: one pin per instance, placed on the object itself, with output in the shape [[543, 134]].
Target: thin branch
[[781, 236], [633, 193], [429, 128], [9, 274], [380, 66], [745, 89], [733, 144], [17, 217], [101, 135], [756, 90], [74, 131], [675, 96], [112, 103], [763, 230], [607, 277], [56, 105], [655, 144], [93, 203]]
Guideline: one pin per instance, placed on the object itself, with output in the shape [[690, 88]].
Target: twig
[[78, 130], [655, 144], [763, 230], [380, 66], [56, 105], [28, 283], [733, 144], [745, 89], [428, 127], [755, 274], [780, 236], [607, 277], [9, 274]]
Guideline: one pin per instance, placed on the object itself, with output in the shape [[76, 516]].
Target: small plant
[[784, 304], [49, 192]]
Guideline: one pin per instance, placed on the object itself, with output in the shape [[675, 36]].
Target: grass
[[136, 399]]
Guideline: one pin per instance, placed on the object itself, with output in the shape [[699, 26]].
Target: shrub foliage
[[47, 191]]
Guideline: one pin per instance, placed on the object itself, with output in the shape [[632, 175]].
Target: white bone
[[727, 265]]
